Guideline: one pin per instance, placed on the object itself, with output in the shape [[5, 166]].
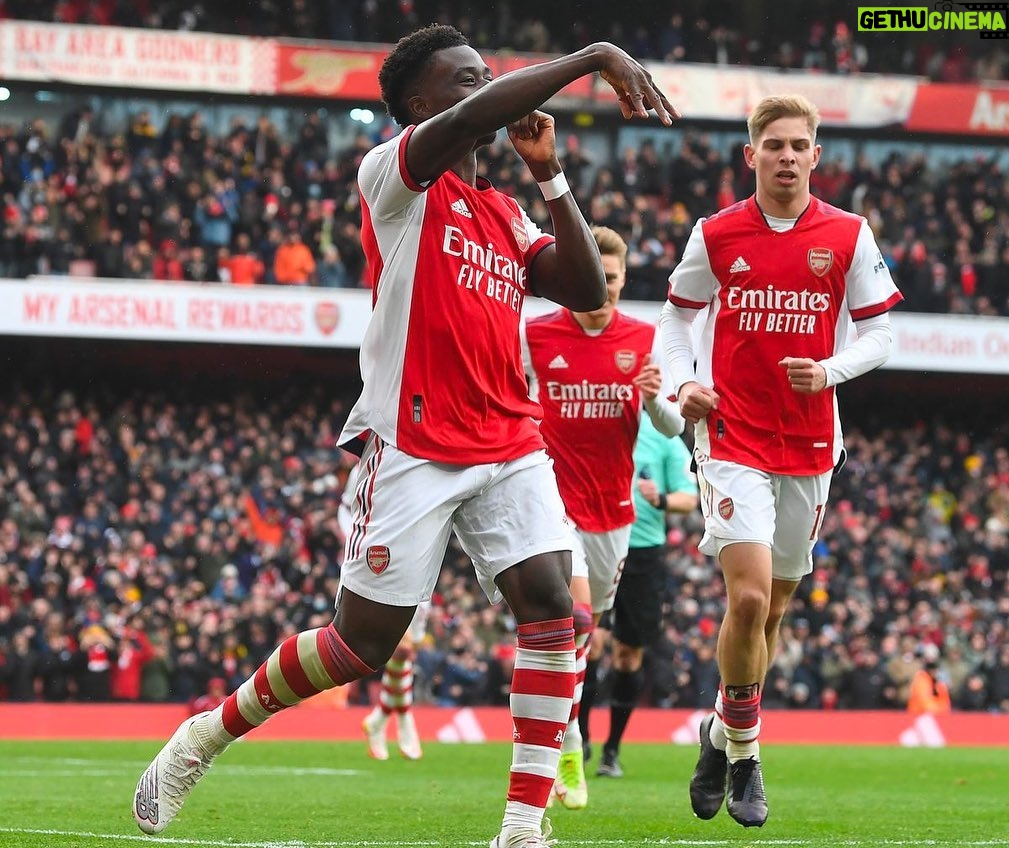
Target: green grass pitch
[[321, 795]]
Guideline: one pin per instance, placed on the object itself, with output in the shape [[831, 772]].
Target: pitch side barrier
[[324, 718]]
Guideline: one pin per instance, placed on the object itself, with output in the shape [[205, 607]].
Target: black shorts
[[637, 608]]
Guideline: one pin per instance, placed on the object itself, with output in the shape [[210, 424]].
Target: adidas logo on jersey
[[558, 362], [738, 265], [461, 207]]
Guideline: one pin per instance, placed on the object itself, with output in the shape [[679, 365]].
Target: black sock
[[588, 697], [626, 690]]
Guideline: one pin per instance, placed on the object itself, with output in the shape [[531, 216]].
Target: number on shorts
[[816, 523]]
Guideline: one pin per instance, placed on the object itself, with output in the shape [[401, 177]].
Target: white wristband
[[554, 188]]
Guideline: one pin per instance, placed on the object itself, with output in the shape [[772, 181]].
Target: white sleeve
[[869, 288], [384, 183], [665, 416], [693, 284], [668, 390], [527, 364], [870, 350], [678, 343]]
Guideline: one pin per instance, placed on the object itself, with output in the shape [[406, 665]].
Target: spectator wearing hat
[[229, 588], [98, 654]]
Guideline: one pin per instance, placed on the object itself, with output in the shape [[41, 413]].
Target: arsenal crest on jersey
[[521, 236], [626, 360], [726, 508], [820, 259], [378, 558]]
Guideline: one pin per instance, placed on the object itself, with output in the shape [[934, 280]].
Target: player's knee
[[374, 648], [749, 606], [537, 589]]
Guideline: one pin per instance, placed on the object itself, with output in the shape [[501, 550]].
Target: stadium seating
[[173, 536]]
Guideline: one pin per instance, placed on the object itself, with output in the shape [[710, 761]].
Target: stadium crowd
[[155, 542], [249, 206], [817, 37]]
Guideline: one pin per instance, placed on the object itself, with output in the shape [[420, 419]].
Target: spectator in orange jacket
[[293, 264], [244, 266], [928, 693]]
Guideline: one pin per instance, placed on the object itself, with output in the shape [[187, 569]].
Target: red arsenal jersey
[[441, 359], [771, 295], [591, 410]]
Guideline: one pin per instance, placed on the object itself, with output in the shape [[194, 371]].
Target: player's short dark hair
[[408, 61]]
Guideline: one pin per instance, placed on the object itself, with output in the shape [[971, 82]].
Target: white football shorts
[[418, 624], [405, 509], [742, 504], [600, 557]]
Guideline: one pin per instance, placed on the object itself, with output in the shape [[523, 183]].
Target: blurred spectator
[[167, 265], [929, 694], [214, 696], [134, 651], [156, 673], [244, 267], [76, 126], [197, 269], [57, 668], [332, 272], [98, 654], [865, 686], [997, 675], [20, 668], [293, 264]]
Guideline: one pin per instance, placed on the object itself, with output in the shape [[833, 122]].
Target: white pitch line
[[220, 768], [679, 843]]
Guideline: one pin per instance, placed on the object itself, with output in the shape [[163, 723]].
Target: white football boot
[[168, 780], [374, 728], [523, 837], [409, 740]]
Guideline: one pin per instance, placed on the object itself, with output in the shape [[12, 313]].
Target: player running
[[783, 276], [593, 373]]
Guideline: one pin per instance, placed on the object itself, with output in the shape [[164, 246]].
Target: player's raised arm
[[568, 272], [469, 106]]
